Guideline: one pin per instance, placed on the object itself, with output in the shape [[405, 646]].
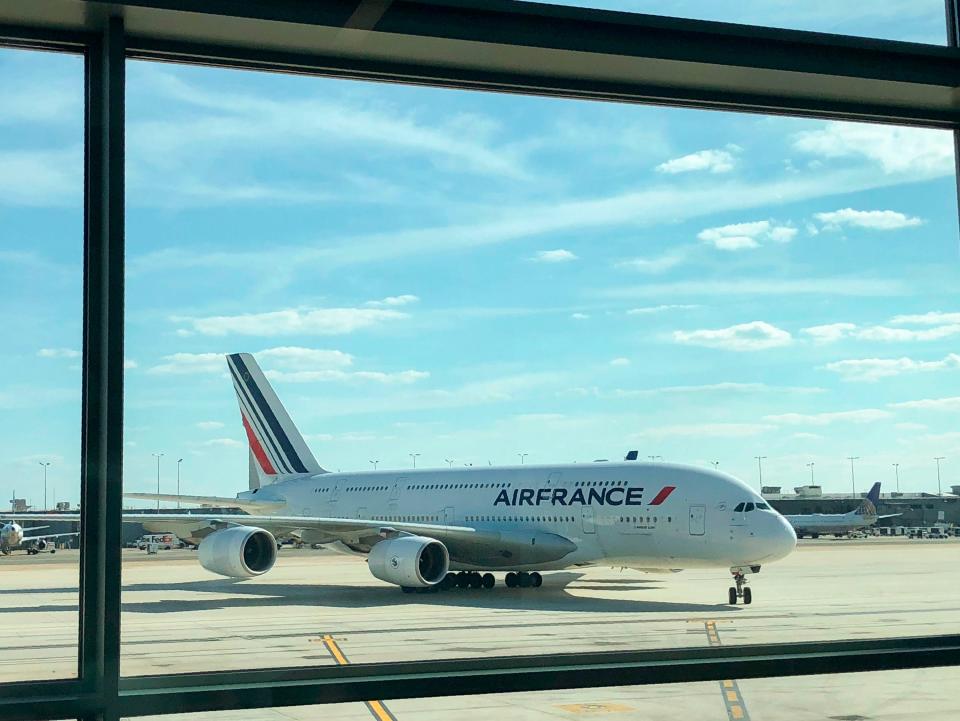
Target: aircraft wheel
[[408, 589], [536, 580], [511, 580], [463, 580], [524, 580], [814, 535], [489, 581], [448, 582], [476, 580], [732, 596], [747, 596]]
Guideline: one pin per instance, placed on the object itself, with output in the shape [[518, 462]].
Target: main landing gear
[[741, 590], [475, 580]]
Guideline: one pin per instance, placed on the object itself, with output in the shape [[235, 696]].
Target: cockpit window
[[748, 508], [763, 506], [738, 508]]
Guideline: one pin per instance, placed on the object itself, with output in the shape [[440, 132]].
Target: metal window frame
[[494, 45]]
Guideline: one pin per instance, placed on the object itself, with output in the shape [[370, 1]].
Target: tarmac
[[318, 607]]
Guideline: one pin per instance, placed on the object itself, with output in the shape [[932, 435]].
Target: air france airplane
[[433, 529]]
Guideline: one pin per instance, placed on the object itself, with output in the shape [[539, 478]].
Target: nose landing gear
[[741, 590]]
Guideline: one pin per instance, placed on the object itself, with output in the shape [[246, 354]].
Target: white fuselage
[[839, 523], [641, 515]]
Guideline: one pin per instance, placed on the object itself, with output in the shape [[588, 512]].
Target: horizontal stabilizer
[[211, 501]]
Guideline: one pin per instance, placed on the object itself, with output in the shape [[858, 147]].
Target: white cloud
[[706, 430], [58, 353], [653, 266], [333, 375], [740, 236], [41, 177], [930, 404], [579, 316], [932, 318], [188, 363], [393, 301], [896, 149], [873, 369], [661, 308], [554, 256], [620, 362], [838, 331], [872, 219], [220, 443], [804, 436], [823, 286], [714, 161], [829, 333], [725, 387], [130, 364], [753, 336], [866, 415], [209, 425], [298, 358], [316, 321]]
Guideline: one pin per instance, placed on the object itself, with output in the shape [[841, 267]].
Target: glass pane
[[903, 695], [464, 302], [917, 21], [41, 265]]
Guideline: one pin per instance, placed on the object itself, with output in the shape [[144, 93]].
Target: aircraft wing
[[47, 535], [487, 547], [214, 501]]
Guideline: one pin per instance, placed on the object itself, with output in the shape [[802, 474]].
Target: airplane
[[435, 529], [12, 537], [840, 524]]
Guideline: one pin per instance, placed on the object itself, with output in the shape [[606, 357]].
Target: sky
[[470, 276]]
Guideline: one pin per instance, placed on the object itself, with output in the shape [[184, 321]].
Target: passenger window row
[[446, 486]]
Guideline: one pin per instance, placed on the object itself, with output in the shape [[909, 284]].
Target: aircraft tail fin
[[869, 505], [276, 447]]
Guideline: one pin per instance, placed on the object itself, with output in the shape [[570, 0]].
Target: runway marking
[[596, 708], [377, 708], [732, 698]]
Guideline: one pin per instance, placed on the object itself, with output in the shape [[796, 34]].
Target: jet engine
[[238, 552], [409, 561]]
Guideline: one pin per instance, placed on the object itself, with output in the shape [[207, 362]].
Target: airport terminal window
[[403, 251], [41, 301]]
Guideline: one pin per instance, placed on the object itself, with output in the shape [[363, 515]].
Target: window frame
[[542, 53]]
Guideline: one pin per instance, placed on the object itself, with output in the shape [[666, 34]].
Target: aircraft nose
[[783, 539]]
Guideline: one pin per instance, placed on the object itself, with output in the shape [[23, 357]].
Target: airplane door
[[698, 518], [589, 526], [395, 493], [362, 512], [448, 516]]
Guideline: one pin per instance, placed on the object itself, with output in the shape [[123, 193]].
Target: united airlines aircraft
[[434, 529], [840, 524]]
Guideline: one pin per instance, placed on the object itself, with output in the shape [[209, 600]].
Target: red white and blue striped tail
[[276, 446]]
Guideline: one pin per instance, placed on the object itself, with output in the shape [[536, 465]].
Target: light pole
[[715, 464], [810, 466], [853, 483], [938, 459], [179, 461], [414, 457], [158, 456], [45, 465], [449, 461], [760, 469], [896, 470], [374, 464], [522, 456]]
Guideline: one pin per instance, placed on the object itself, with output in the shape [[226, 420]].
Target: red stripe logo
[[662, 495], [257, 449]]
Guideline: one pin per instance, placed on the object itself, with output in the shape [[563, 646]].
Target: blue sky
[[470, 276]]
